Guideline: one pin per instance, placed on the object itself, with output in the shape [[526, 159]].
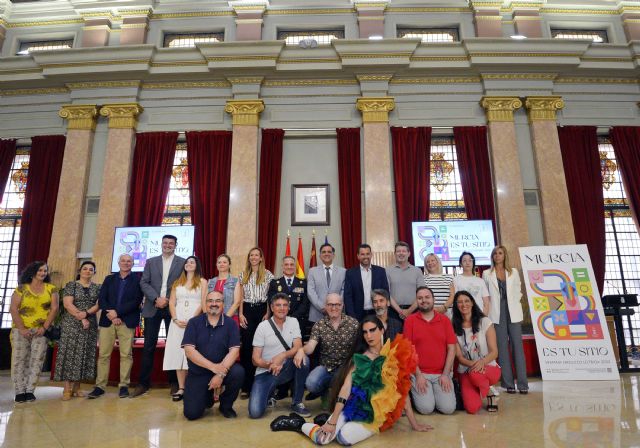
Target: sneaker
[[300, 409], [20, 398], [29, 396], [139, 390], [272, 402], [95, 393], [124, 392], [493, 391]]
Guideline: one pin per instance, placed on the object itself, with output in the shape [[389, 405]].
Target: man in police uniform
[[296, 289]]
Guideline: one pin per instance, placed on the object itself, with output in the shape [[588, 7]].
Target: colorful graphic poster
[[567, 316]]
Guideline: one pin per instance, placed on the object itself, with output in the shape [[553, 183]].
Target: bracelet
[[175, 320], [341, 400]]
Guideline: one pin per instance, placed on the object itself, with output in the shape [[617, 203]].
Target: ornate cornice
[[80, 116], [245, 112], [102, 84], [374, 78], [543, 108], [186, 85], [122, 115], [500, 108], [37, 91], [375, 110]]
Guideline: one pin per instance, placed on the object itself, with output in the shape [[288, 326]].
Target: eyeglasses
[[334, 305]]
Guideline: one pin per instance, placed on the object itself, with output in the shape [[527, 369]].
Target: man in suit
[[157, 278], [296, 289], [324, 280], [360, 281], [120, 298]]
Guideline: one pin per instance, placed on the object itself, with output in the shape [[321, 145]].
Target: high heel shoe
[[76, 392], [178, 395], [492, 403], [67, 394]]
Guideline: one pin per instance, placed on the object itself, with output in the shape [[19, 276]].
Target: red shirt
[[430, 339]]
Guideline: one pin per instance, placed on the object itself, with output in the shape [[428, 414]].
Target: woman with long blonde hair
[[252, 299], [187, 294], [503, 282]]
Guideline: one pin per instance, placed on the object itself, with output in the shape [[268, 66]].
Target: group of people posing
[[354, 338]]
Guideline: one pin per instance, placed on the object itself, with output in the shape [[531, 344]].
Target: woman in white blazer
[[503, 283]]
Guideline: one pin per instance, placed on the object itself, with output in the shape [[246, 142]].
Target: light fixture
[[376, 37], [518, 37]]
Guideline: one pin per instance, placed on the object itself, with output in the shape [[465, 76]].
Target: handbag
[[53, 333]]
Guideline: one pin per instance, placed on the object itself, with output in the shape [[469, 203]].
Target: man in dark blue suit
[[360, 281], [120, 299]]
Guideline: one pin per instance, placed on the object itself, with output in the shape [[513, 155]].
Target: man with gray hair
[[334, 333], [381, 301], [120, 299]]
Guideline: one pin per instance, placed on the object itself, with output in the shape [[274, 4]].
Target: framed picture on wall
[[310, 205]]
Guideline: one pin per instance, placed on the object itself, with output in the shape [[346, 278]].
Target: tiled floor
[[554, 414]]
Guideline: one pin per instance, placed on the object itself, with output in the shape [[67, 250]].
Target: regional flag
[[287, 250], [313, 262]]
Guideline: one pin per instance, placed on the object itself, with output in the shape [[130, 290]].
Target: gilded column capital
[[80, 116], [375, 110], [543, 108], [245, 112], [122, 115], [500, 108]]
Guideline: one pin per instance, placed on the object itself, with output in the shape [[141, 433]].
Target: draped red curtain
[[475, 172], [150, 177], [411, 155], [7, 154], [209, 162], [350, 196], [626, 143], [269, 193], [41, 195], [581, 162]]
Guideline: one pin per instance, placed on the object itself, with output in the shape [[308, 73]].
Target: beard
[[426, 308], [380, 312]]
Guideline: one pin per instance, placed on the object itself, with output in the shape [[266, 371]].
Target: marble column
[[554, 198], [370, 17], [487, 18], [379, 216], [135, 25], [527, 22], [114, 196], [69, 215], [95, 32], [511, 214], [631, 24], [249, 19], [242, 233], [3, 32]]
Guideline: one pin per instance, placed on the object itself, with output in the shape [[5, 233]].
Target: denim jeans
[[265, 383], [319, 380]]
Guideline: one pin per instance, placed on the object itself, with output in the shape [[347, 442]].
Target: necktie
[[328, 276], [289, 283]]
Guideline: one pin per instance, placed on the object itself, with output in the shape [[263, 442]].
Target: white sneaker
[[493, 391]]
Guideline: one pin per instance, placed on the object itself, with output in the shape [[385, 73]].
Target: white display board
[[143, 243], [448, 239], [566, 312]]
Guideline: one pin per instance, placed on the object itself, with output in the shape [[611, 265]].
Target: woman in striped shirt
[[254, 282], [440, 284]]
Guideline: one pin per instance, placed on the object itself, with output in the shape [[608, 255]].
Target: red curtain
[[411, 155], [7, 154], [41, 195], [209, 160], [475, 172], [581, 162], [269, 193], [350, 193], [626, 143], [150, 177]]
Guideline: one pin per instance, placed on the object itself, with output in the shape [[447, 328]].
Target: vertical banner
[[567, 316]]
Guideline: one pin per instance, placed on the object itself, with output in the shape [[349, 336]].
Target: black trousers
[[198, 397], [151, 330], [254, 315]]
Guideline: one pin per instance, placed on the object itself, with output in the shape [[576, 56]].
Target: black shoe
[[228, 413], [178, 395], [511, 390], [492, 405], [20, 398], [311, 396], [321, 419], [124, 392], [95, 393], [524, 391], [281, 394], [29, 397], [139, 390], [291, 422]]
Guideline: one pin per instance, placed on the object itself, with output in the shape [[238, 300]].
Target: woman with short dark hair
[[34, 306]]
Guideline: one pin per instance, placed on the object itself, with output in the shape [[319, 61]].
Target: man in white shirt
[[276, 342]]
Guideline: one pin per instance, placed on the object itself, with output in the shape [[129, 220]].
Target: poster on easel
[[568, 320]]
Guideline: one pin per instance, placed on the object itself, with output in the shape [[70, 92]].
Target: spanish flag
[[300, 260]]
